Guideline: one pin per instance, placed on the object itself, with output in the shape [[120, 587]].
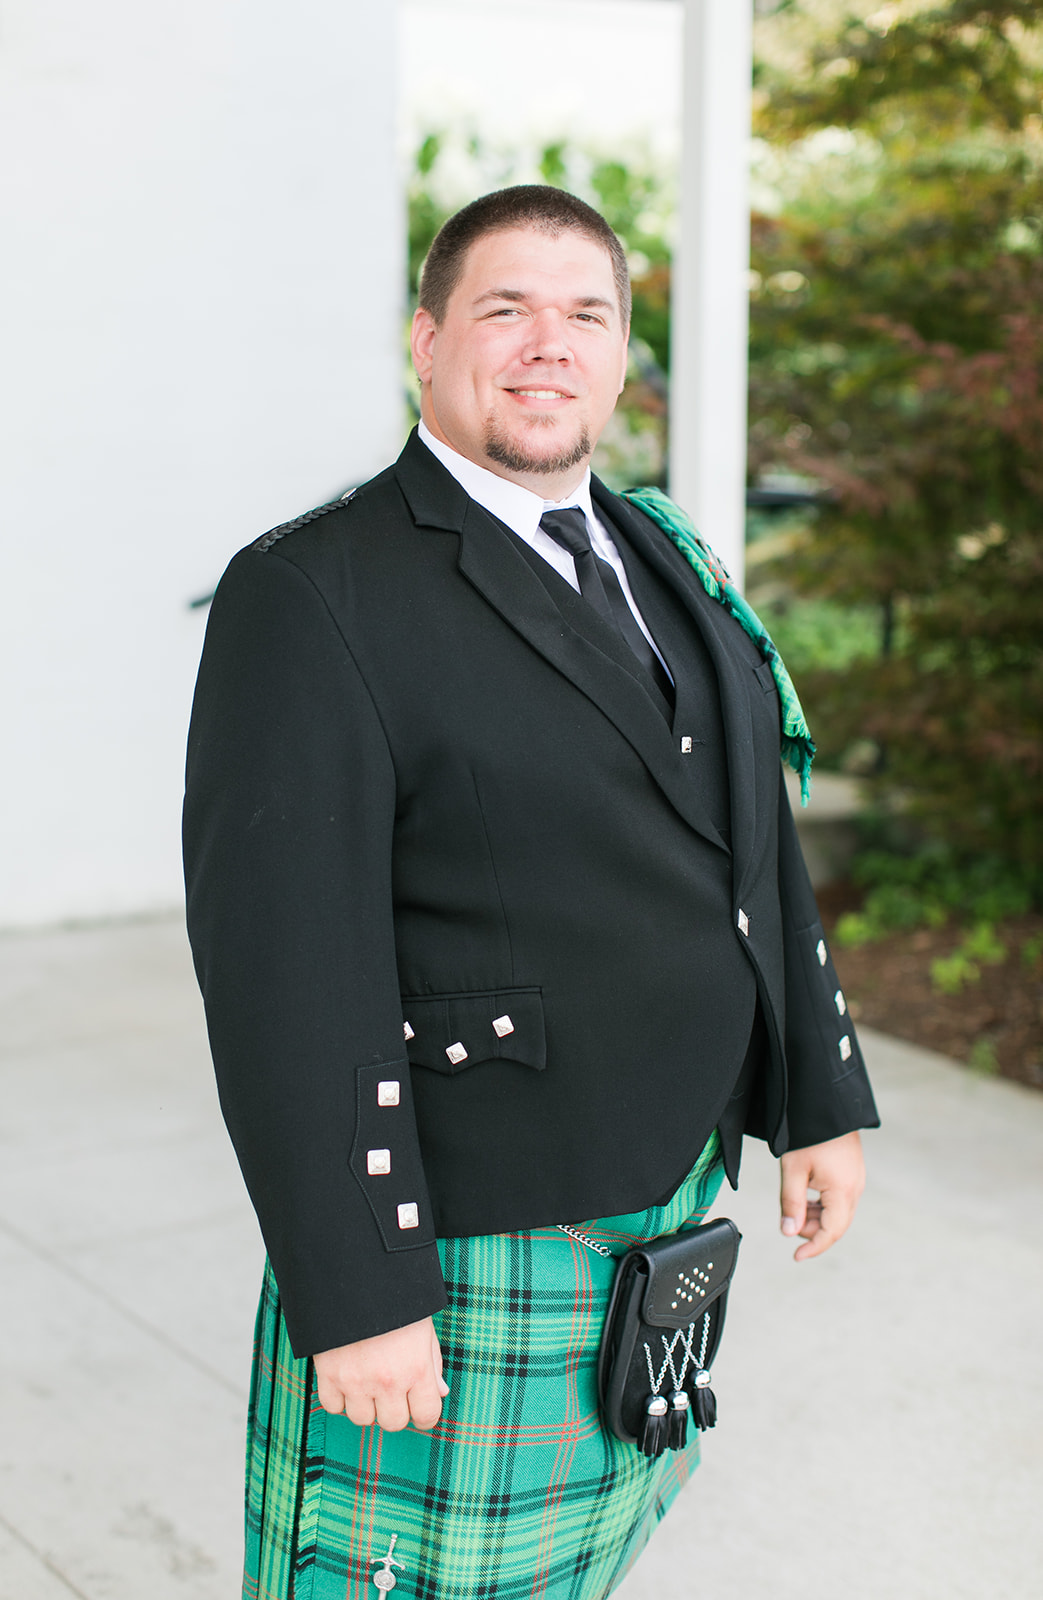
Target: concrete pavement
[[881, 1408]]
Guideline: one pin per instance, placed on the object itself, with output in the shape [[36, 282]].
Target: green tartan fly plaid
[[798, 747], [518, 1491]]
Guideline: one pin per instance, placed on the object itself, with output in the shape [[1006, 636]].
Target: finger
[[436, 1354], [393, 1412], [425, 1405], [360, 1410], [820, 1240], [331, 1395], [425, 1414], [793, 1198], [834, 1217]]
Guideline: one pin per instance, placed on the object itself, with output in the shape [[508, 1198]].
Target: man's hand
[[392, 1379], [836, 1169]]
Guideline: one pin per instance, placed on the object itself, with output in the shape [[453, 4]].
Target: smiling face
[[527, 364]]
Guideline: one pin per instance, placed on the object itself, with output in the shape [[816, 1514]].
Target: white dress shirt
[[521, 510]]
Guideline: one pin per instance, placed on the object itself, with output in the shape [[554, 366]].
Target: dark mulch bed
[[888, 986]]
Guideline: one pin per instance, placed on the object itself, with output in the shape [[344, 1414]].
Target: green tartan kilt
[[518, 1490]]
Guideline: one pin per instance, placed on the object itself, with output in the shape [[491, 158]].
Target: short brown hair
[[526, 205]]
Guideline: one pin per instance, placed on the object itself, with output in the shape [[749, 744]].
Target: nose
[[548, 338]]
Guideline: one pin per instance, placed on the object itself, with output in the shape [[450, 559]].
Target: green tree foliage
[[426, 213], [897, 361]]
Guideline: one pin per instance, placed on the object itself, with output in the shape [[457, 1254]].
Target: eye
[[590, 316]]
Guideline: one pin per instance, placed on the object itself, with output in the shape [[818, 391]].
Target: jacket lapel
[[560, 626], [734, 675]]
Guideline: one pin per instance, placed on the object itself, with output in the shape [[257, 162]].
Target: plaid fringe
[[518, 1491]]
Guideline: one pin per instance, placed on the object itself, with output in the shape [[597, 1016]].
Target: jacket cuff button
[[502, 1026], [456, 1053]]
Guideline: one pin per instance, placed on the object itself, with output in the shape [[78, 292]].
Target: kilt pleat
[[518, 1492]]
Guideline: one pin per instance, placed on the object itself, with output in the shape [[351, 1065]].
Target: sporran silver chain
[[583, 1238]]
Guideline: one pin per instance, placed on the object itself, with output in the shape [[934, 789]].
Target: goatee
[[509, 453]]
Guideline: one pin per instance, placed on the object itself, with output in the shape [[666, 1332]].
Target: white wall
[[710, 293], [201, 334]]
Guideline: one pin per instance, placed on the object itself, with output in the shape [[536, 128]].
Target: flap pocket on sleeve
[[452, 1032]]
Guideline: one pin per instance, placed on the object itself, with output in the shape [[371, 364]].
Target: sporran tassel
[[705, 1407], [677, 1431], [652, 1439]]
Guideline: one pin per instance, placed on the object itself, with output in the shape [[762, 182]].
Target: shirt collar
[[518, 507]]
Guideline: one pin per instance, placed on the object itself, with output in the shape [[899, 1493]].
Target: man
[[479, 767]]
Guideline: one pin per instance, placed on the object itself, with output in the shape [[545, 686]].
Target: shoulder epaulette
[[273, 535]]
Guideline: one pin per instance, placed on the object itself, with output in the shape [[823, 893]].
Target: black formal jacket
[[482, 941]]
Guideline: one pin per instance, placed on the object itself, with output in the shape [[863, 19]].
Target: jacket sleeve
[[289, 810], [828, 1087]]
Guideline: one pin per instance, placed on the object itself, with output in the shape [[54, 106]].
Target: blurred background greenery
[[895, 531]]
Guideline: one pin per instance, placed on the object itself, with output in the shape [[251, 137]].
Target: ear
[[422, 343], [626, 360]]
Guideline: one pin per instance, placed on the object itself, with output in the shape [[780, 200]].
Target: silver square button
[[378, 1163], [686, 745], [821, 952], [744, 924], [456, 1053], [840, 1002], [845, 1048], [389, 1092], [502, 1026], [408, 1032], [409, 1215]]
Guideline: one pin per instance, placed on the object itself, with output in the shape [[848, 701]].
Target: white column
[[202, 332], [710, 310]]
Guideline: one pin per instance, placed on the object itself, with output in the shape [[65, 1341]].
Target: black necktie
[[599, 586]]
